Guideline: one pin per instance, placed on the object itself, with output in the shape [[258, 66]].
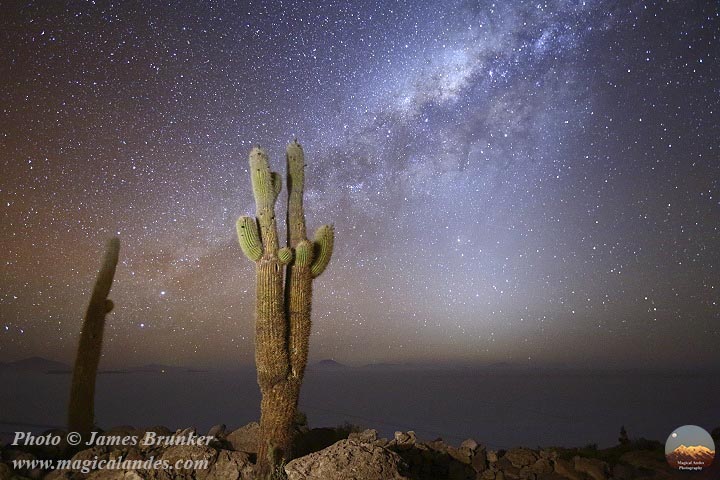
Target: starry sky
[[524, 182]]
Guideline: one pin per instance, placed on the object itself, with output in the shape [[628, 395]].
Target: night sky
[[524, 182]]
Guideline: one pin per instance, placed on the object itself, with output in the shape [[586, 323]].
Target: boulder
[[438, 446], [505, 465], [101, 452], [54, 475], [245, 439], [366, 436], [459, 471], [405, 437], [184, 453], [217, 431], [469, 444], [115, 475], [403, 440], [462, 455], [645, 459], [6, 472], [487, 475], [566, 469], [541, 466], [479, 460], [521, 457], [550, 476], [348, 460], [595, 469], [232, 465], [548, 453]]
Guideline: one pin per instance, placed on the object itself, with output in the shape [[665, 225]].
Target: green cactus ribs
[[282, 310]]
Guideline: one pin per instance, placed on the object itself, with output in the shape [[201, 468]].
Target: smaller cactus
[[81, 408]]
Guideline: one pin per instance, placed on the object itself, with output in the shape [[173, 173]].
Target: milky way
[[524, 182]]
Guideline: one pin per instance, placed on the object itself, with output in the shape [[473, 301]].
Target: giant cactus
[[81, 408], [282, 320]]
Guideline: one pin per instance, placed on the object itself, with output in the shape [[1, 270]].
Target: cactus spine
[[81, 410], [282, 323]]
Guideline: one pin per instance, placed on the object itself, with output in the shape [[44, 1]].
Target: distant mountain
[[329, 364], [34, 364], [692, 456]]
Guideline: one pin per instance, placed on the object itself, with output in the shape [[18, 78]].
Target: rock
[[595, 469], [217, 431], [547, 453], [10, 455], [115, 475], [36, 473], [366, 436], [623, 472], [187, 432], [405, 437], [505, 465], [438, 446], [88, 454], [55, 475], [521, 457], [245, 439], [645, 459], [6, 472], [479, 460], [541, 466], [500, 475], [487, 475], [462, 455], [185, 453], [566, 469], [347, 460], [404, 441], [460, 471], [470, 444], [550, 476], [492, 456], [232, 465]]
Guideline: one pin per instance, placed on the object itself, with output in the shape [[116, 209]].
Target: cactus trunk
[[81, 409], [282, 313]]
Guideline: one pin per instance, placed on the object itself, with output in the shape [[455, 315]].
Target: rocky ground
[[343, 454]]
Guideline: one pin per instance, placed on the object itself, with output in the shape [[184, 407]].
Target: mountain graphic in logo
[[694, 455], [690, 448]]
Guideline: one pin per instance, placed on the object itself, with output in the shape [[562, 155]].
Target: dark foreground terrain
[[343, 453]]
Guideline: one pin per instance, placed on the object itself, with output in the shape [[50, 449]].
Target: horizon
[[328, 364]]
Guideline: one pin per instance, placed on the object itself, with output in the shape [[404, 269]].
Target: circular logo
[[690, 448]]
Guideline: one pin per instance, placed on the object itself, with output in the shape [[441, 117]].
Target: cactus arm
[[285, 255], [249, 238], [323, 246], [295, 157], [266, 191]]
